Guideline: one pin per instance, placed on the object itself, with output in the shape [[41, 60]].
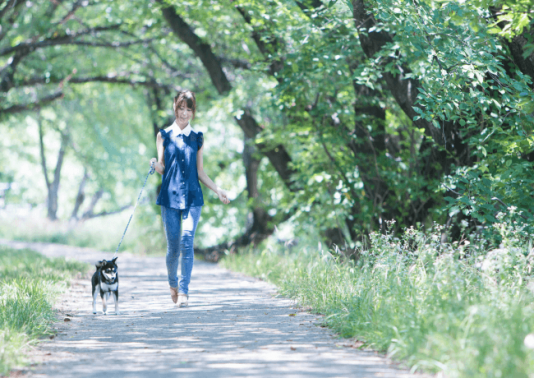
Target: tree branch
[[236, 63], [18, 108], [10, 5], [110, 44], [70, 13], [29, 106], [268, 46], [308, 6], [113, 79], [27, 47], [403, 89]]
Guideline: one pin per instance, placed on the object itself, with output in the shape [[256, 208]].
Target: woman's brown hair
[[187, 98]]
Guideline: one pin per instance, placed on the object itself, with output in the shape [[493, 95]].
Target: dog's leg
[[104, 304], [116, 299], [96, 290]]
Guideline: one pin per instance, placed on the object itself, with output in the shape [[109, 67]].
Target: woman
[[179, 160]]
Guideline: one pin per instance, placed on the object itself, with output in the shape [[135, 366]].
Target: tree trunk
[[258, 224], [80, 197], [41, 150], [52, 187], [278, 156], [270, 45], [89, 213], [517, 45], [435, 160], [258, 227]]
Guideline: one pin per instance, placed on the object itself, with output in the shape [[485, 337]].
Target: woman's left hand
[[223, 196]]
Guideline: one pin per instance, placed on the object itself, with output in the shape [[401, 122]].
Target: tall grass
[[29, 283], [461, 308]]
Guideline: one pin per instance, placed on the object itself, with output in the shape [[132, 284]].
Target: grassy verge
[[462, 309], [29, 283], [144, 236]]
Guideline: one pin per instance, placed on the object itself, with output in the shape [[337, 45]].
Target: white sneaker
[[182, 300]]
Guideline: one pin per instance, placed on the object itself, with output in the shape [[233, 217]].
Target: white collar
[[186, 131]]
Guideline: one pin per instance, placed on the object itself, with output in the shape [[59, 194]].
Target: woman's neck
[[181, 124]]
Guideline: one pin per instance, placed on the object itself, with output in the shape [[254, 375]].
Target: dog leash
[[150, 172]]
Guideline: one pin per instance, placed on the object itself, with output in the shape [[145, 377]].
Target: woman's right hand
[[158, 167]]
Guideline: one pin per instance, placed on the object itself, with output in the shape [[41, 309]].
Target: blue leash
[[150, 172]]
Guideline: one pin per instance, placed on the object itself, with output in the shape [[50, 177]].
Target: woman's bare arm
[[160, 161], [203, 177]]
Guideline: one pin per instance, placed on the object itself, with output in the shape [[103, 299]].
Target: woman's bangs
[[187, 102]]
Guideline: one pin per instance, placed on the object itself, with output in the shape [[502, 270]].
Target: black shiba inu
[[106, 282]]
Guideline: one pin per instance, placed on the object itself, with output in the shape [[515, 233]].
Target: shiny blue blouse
[[180, 188]]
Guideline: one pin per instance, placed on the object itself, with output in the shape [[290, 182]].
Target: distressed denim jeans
[[180, 227]]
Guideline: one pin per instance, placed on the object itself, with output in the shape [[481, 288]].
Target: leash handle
[[150, 172]]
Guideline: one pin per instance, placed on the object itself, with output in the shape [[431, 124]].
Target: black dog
[[106, 281]]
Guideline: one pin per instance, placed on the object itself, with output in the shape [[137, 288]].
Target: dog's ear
[[115, 259], [100, 264]]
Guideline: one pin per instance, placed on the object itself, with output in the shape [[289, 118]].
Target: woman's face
[[183, 113]]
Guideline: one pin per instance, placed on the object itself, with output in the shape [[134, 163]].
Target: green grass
[[29, 284], [436, 307]]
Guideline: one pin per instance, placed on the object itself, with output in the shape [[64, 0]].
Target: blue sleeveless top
[[180, 188]]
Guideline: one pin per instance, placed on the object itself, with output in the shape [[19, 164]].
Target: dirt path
[[234, 327]]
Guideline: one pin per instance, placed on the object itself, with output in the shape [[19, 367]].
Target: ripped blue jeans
[[180, 227]]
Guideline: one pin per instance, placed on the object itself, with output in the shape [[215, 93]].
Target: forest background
[[378, 154]]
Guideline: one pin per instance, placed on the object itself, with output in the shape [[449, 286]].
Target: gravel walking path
[[234, 326]]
